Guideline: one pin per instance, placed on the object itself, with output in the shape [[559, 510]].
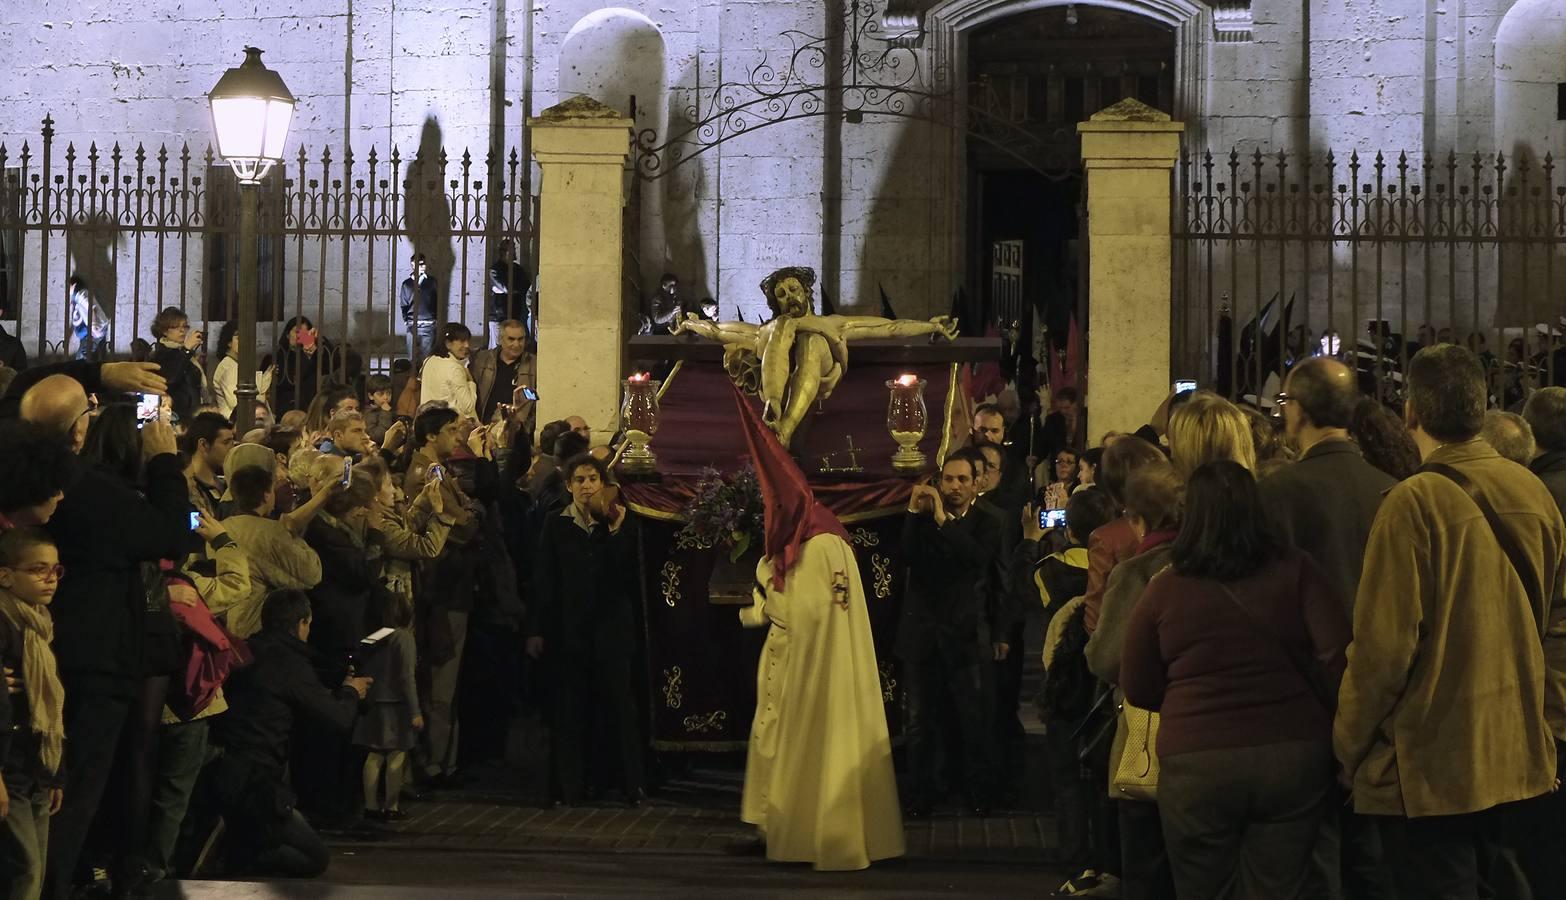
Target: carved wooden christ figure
[[798, 357]]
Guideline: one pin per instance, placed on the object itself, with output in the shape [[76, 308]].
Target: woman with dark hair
[[1239, 645], [1087, 468], [304, 360], [39, 466], [113, 444], [1060, 477], [445, 375], [1383, 439], [225, 375]]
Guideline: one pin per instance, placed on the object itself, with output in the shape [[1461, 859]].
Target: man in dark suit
[[1006, 617], [949, 549], [583, 629], [1325, 504]]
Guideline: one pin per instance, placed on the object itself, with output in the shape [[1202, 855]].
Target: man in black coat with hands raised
[[949, 550]]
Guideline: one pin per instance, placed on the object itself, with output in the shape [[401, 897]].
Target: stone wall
[[871, 205]]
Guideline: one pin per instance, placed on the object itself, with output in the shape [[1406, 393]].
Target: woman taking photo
[[1061, 481], [1239, 645]]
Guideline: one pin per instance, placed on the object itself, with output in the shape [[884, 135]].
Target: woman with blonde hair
[[1208, 428]]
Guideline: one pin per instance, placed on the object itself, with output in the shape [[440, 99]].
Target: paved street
[[501, 843]]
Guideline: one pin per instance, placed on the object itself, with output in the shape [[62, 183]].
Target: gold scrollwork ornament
[[888, 683], [864, 537], [672, 683], [670, 581], [703, 723], [881, 567]]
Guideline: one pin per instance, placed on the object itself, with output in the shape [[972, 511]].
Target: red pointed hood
[[793, 515]]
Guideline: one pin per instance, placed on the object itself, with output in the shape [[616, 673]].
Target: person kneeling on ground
[[265, 833]]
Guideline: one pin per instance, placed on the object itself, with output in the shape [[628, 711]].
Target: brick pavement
[[698, 816]]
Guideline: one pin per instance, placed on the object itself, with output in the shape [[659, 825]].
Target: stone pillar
[[581, 147], [1129, 151]]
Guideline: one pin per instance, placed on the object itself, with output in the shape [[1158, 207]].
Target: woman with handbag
[[1153, 498], [1238, 646]]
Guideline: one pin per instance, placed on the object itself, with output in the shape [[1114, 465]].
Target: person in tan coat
[[1455, 691]]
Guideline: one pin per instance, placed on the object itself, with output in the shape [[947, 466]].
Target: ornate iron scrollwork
[[881, 73]]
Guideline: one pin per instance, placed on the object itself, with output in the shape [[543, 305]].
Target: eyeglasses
[[41, 572]]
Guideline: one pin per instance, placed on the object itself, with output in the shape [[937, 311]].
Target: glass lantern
[[906, 419], [639, 413]]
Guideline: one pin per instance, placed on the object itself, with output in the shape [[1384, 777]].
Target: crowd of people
[[1316, 652], [219, 644]]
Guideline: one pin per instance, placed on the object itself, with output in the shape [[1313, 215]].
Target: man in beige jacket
[[1456, 685]]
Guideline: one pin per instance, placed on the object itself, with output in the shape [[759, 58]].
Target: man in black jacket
[[1546, 415], [949, 549], [265, 832], [1325, 504], [582, 627], [104, 531], [419, 301]]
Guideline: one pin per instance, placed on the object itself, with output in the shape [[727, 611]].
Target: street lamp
[[251, 112]]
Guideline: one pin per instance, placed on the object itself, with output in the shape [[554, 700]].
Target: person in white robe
[[819, 784]]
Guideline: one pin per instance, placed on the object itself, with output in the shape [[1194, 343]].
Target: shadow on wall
[[903, 227], [617, 56], [686, 251], [427, 215]]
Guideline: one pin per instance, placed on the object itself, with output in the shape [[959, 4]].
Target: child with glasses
[[32, 720]]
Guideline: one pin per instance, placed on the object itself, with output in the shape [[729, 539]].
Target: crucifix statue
[[798, 357]]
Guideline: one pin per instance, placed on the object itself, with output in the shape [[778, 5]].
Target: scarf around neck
[[40, 677]]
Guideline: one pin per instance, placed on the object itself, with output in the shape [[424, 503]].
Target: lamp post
[[251, 112]]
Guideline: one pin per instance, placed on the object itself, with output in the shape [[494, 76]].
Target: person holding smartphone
[[175, 353]]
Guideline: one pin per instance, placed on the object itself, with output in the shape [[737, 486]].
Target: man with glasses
[[1325, 504], [104, 530]]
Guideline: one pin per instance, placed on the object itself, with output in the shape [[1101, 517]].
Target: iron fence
[[1280, 257], [336, 233]]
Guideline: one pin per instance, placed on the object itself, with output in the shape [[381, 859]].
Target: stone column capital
[[1130, 135], [581, 130]]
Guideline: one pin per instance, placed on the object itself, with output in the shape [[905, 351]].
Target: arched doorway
[[1043, 70]]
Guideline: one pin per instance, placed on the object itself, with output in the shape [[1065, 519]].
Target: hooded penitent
[[818, 774]]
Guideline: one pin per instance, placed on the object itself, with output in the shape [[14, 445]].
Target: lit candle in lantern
[[640, 415], [906, 419]]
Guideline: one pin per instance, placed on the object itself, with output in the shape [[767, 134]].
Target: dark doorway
[[1043, 72]]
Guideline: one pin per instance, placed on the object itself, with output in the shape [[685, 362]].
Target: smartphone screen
[[1052, 518], [147, 406], [347, 472], [195, 520], [437, 473], [1184, 384], [529, 393]]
